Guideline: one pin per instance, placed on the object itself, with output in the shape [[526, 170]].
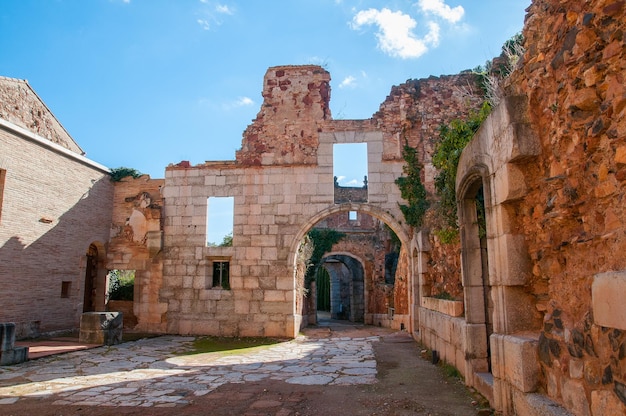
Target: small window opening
[[221, 274], [352, 216], [66, 287], [220, 214]]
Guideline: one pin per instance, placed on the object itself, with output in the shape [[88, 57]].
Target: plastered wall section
[[53, 208], [273, 208]]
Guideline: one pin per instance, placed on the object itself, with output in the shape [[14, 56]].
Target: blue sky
[[145, 83]]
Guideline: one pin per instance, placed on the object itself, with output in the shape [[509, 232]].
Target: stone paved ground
[[285, 378]]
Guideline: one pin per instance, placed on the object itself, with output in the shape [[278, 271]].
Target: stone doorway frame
[[496, 157]]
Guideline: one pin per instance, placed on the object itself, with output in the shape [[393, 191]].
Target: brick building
[[55, 215]]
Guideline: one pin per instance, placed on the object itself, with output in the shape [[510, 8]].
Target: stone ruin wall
[[136, 243], [20, 105], [283, 133], [415, 110], [573, 74]]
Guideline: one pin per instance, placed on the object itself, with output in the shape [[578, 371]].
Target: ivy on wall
[[453, 139], [412, 189], [322, 241]]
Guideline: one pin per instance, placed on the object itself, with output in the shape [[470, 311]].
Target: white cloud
[[224, 9], [205, 102], [395, 32], [353, 182], [440, 9], [239, 102], [204, 24], [348, 81], [244, 101], [211, 14]]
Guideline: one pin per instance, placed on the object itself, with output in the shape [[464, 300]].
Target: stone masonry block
[[103, 328], [509, 183], [516, 357], [13, 356], [476, 341], [515, 265], [607, 299], [575, 398]]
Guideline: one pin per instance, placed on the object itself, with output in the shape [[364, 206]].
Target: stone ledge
[[447, 307]]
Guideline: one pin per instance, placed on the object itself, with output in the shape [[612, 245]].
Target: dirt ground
[[408, 384]]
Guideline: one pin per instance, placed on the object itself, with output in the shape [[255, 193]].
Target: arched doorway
[[91, 276], [346, 287], [479, 305]]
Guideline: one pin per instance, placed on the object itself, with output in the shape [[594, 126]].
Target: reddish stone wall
[[443, 269], [573, 74], [414, 111], [287, 134]]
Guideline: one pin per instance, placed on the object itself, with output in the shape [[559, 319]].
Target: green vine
[[453, 139], [412, 189], [322, 241]]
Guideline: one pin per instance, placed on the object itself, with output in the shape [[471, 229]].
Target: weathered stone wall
[[20, 105], [414, 111], [55, 204], [284, 134], [573, 74], [443, 271], [136, 243]]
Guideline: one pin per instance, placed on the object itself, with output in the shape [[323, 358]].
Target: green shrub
[[121, 284], [117, 174]]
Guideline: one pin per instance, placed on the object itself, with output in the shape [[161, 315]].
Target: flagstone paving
[[156, 372]]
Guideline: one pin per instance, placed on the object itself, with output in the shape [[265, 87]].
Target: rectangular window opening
[[221, 274], [66, 287], [350, 170], [220, 214], [352, 215]]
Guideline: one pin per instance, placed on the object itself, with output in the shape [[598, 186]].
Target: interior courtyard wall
[[55, 204]]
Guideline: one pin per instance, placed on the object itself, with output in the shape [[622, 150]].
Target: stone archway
[[347, 287], [304, 309]]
